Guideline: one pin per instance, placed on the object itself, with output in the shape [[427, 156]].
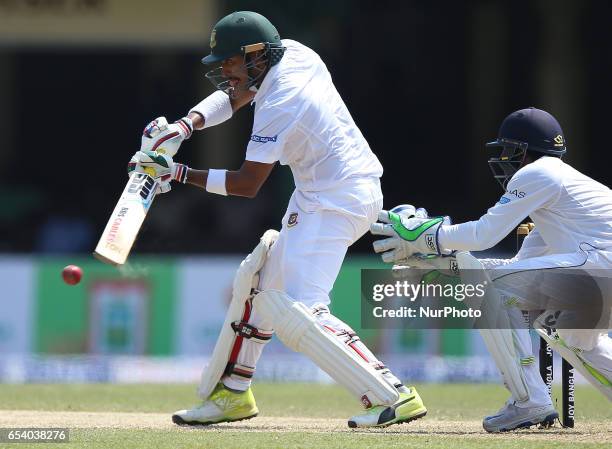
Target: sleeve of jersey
[[533, 246], [527, 191], [271, 128]]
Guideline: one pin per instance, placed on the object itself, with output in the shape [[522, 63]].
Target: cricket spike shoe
[[408, 407], [223, 405], [511, 417]]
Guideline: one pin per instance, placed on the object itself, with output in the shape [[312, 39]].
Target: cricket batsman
[[573, 231], [283, 285]]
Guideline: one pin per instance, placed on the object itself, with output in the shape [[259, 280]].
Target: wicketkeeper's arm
[[530, 189]]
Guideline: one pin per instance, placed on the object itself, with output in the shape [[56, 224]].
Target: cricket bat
[[125, 221]]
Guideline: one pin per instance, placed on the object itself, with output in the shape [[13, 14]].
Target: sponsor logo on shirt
[[263, 139], [292, 221], [516, 193], [504, 200]]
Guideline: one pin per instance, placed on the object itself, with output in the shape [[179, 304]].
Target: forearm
[[235, 182], [462, 237], [213, 110], [197, 120], [474, 235], [197, 178]]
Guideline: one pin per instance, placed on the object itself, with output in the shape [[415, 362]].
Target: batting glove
[[166, 138], [160, 167]]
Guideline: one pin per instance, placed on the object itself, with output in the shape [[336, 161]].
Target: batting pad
[[246, 279], [594, 377], [299, 330], [500, 343], [498, 336]]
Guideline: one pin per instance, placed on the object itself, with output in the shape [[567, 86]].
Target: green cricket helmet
[[241, 33]]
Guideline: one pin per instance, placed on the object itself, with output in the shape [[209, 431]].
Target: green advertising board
[[127, 310]]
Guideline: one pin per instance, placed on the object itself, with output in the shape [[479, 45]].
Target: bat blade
[[124, 223]]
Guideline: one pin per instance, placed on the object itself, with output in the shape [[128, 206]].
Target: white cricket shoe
[[511, 417], [223, 405], [408, 407]]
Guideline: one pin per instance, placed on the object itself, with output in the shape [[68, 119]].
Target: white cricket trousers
[[308, 254], [595, 344]]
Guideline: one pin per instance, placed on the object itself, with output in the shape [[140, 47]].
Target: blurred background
[[428, 83]]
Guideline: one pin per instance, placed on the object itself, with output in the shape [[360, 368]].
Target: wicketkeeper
[[573, 232], [283, 286]]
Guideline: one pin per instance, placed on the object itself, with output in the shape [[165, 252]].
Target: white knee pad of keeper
[[299, 330], [246, 279]]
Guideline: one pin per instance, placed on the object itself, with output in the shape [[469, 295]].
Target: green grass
[[270, 440], [317, 401], [445, 402]]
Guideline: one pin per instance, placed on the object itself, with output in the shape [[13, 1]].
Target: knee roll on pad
[[299, 330]]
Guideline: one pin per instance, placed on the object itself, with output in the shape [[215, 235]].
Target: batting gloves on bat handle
[[164, 137], [160, 167], [407, 236]]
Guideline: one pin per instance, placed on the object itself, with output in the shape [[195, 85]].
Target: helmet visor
[[510, 158], [256, 67]]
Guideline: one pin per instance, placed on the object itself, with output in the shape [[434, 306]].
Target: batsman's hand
[[164, 137], [406, 236], [160, 167]]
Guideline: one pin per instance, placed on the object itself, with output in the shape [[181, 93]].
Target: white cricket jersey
[[301, 121], [568, 208]]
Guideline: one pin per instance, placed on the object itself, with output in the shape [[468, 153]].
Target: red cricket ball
[[72, 274]]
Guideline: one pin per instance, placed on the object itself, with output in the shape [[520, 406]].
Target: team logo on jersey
[[504, 200], [213, 39], [559, 141], [292, 221], [263, 139]]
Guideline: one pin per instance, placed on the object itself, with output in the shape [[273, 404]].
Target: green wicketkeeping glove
[[407, 236]]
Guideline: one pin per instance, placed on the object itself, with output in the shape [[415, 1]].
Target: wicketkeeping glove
[[407, 236], [445, 264], [160, 167], [409, 211], [164, 137]]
